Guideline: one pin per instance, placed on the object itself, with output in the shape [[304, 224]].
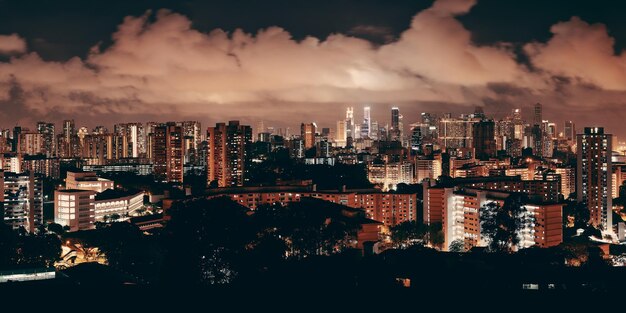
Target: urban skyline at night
[[430, 147]]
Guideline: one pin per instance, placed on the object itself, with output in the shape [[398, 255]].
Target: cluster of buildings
[[463, 163], [88, 199]]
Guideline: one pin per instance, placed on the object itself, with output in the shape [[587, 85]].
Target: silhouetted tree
[[206, 240], [435, 235], [408, 233], [501, 226], [56, 228], [457, 246]]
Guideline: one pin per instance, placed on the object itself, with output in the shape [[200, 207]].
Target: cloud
[[160, 66], [12, 44], [582, 51]]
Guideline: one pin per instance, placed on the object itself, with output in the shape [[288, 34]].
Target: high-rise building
[[228, 153], [47, 132], [260, 128], [594, 183], [98, 148], [537, 114], [68, 143], [15, 144], [167, 153], [391, 174], [416, 137], [22, 200], [569, 131], [350, 123], [31, 143], [307, 133], [341, 137], [193, 130], [394, 130], [455, 132], [484, 139], [135, 136], [367, 123]]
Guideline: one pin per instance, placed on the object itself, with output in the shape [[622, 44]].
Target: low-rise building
[[75, 209], [120, 202], [87, 181]]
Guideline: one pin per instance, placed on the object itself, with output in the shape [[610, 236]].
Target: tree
[[40, 250], [436, 237], [457, 246], [575, 215], [408, 233], [206, 239], [502, 226], [8, 245], [56, 228]]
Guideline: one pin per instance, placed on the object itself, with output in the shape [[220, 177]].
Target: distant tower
[[307, 132], [367, 122], [569, 131], [484, 139], [349, 123], [395, 124], [341, 137], [537, 115]]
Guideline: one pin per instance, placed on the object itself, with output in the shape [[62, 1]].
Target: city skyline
[[209, 74], [432, 146]]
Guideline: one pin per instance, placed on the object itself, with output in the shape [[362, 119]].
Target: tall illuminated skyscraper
[[349, 123], [47, 131], [537, 114], [569, 130], [394, 131], [367, 123], [307, 133], [594, 175], [341, 134]]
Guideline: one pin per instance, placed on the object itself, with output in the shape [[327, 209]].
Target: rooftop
[[116, 193]]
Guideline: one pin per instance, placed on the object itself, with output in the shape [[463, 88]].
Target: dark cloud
[[292, 61]]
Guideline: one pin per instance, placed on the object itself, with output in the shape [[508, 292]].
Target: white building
[[118, 202], [87, 181], [75, 209]]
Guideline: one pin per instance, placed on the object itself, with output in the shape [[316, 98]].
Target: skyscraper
[[307, 132], [537, 114], [135, 134], [47, 131], [228, 153], [341, 135], [395, 124], [193, 130], [569, 130], [168, 153], [594, 175], [31, 143], [367, 123], [69, 145], [22, 200], [484, 139], [349, 123]]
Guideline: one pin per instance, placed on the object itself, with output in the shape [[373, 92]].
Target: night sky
[[287, 62]]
